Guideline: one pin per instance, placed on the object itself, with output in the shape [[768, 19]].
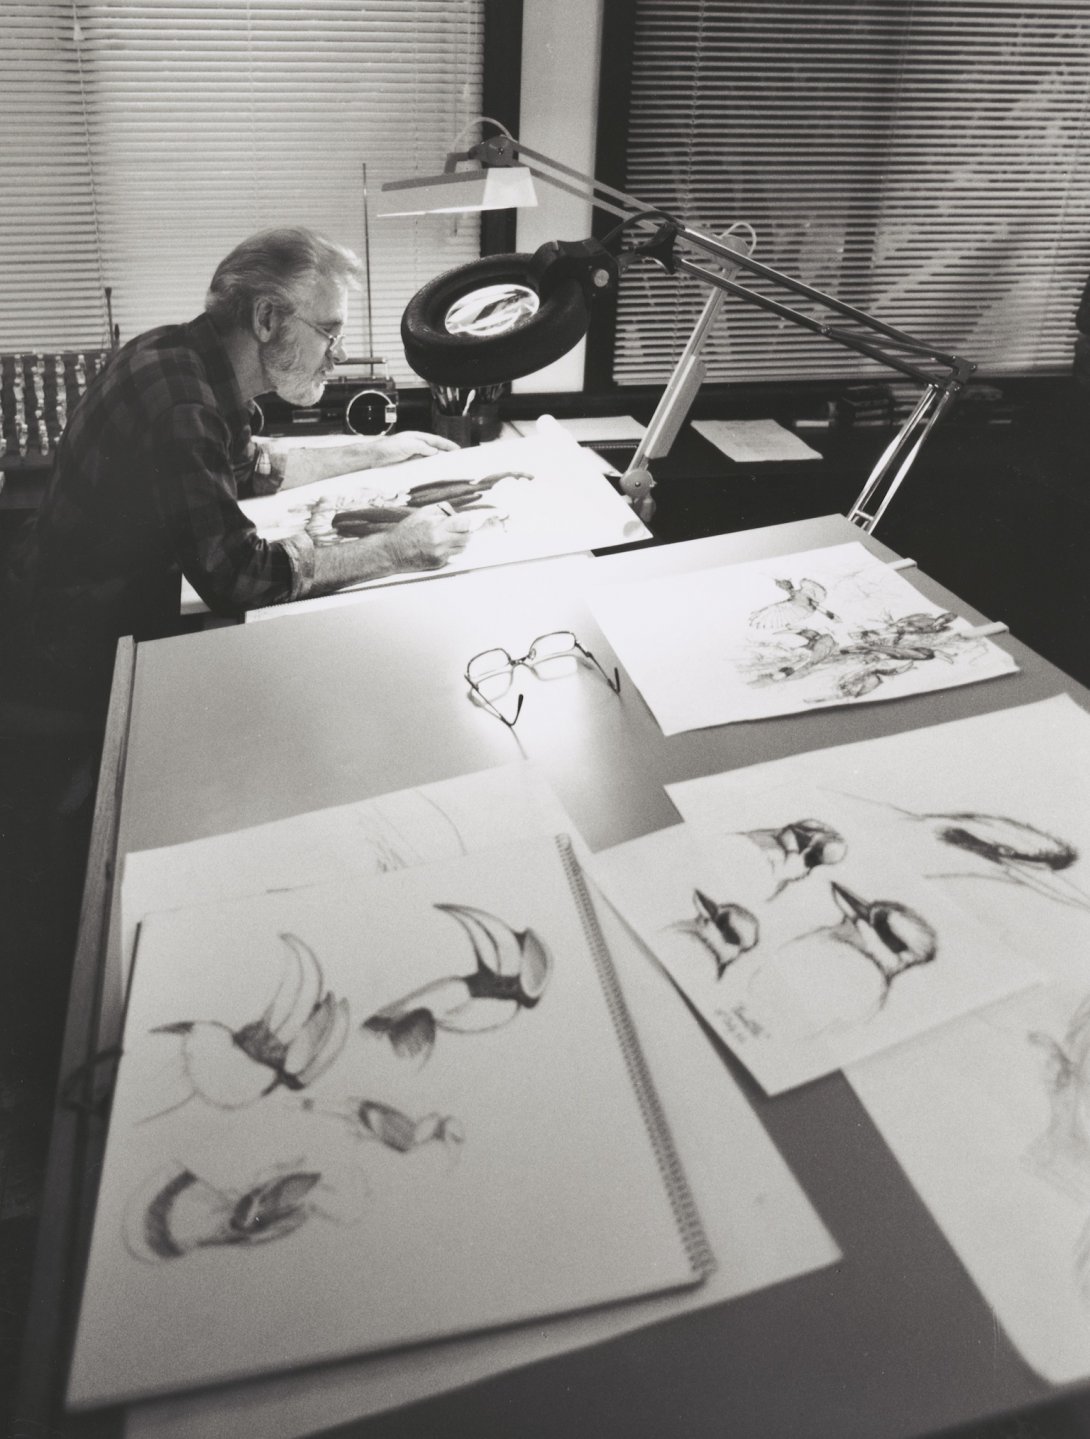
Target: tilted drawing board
[[825, 627], [357, 1117]]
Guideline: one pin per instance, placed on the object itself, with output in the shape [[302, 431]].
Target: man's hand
[[428, 538], [408, 445]]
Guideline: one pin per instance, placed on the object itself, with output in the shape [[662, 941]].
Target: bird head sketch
[[797, 849], [289, 1044], [725, 930], [511, 972], [891, 935]]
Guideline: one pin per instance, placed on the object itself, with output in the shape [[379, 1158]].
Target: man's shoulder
[[166, 367]]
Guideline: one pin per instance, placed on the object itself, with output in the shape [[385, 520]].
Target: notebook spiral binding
[[689, 1223]]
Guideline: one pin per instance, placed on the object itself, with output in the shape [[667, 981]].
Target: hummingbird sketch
[[291, 1042], [724, 930], [510, 974]]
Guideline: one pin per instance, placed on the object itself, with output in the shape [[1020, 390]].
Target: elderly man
[[155, 457]]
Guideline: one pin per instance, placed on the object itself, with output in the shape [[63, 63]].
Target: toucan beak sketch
[[184, 1213], [290, 1044], [511, 973], [725, 930]]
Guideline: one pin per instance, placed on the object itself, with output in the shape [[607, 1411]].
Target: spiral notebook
[[356, 1117]]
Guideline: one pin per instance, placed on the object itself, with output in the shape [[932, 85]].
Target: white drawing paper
[[987, 1113], [366, 1115], [802, 945], [824, 627], [760, 1225], [549, 499], [441, 820]]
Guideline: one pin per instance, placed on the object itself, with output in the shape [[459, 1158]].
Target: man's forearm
[[373, 558], [298, 466]]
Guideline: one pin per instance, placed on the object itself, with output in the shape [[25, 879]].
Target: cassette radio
[[360, 398]]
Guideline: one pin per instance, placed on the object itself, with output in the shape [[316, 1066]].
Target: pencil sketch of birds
[[293, 1041], [843, 972], [816, 648], [185, 1212], [922, 624], [1010, 850], [804, 600], [725, 930], [795, 850], [511, 972], [392, 1127]]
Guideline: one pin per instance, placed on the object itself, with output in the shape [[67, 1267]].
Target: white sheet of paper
[[987, 1114], [367, 1114], [761, 1227], [367, 837], [825, 627], [754, 440], [803, 970], [565, 506]]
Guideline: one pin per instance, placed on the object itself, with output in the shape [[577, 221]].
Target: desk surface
[[239, 726]]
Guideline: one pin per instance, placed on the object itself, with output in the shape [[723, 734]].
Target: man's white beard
[[288, 377]]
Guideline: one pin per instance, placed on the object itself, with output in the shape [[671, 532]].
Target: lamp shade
[[493, 320], [501, 187]]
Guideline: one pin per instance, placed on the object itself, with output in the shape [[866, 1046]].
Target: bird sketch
[[292, 1041], [725, 931], [844, 972], [1010, 851], [804, 600], [183, 1213], [864, 659], [371, 1119], [511, 972], [1061, 1155], [795, 850]]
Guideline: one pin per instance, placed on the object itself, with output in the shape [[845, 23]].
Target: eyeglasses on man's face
[[334, 344], [490, 673]]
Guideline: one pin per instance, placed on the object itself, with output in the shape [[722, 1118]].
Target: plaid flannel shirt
[[145, 487]]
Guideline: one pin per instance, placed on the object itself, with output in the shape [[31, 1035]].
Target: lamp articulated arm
[[671, 244]]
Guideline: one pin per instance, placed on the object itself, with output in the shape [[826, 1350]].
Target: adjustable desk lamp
[[504, 316]]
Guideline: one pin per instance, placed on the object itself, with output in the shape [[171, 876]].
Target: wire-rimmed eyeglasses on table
[[490, 672]]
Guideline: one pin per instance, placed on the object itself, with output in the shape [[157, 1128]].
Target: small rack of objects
[[37, 392]]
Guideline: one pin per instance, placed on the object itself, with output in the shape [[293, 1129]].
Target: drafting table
[[215, 731]]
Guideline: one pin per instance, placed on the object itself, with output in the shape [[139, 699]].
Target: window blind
[[927, 162], [156, 134]]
